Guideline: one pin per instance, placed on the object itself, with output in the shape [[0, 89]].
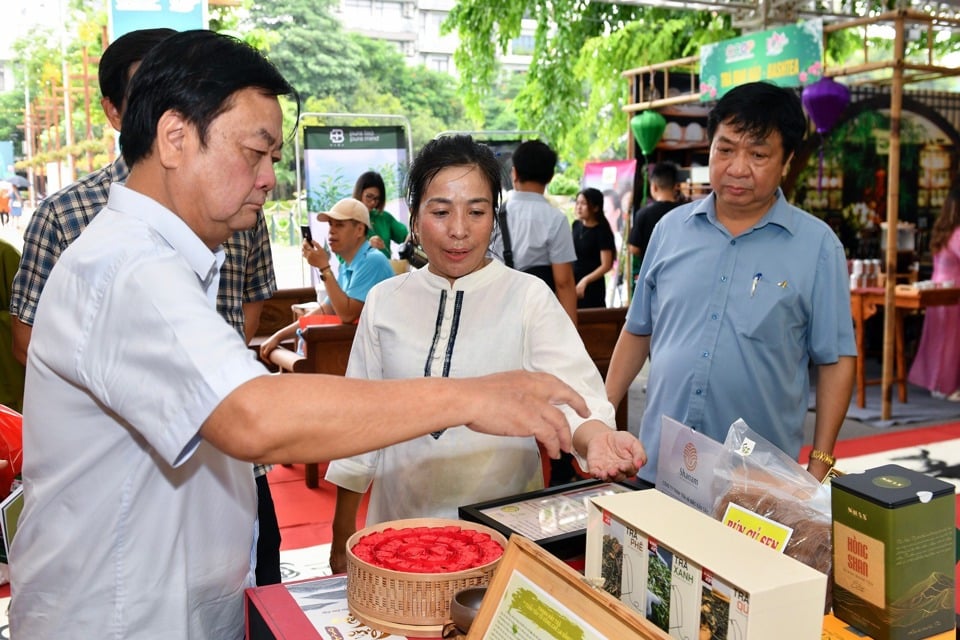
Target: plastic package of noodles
[[757, 476]]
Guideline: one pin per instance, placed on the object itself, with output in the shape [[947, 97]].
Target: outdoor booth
[[880, 158], [654, 566]]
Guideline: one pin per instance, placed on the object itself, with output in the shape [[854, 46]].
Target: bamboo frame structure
[[895, 71]]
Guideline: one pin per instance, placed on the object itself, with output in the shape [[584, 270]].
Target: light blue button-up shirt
[[368, 267], [735, 321]]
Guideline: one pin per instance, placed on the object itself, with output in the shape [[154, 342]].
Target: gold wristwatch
[[823, 457]]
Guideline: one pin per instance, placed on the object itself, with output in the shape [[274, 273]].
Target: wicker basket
[[415, 599]]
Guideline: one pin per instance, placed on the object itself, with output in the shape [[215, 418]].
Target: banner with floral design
[[788, 56]]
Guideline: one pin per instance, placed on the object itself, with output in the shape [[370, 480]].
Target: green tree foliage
[[656, 36], [573, 90], [308, 45], [499, 104], [427, 98], [369, 98], [340, 72], [11, 120], [334, 71], [39, 70]]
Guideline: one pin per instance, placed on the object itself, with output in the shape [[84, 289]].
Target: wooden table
[[863, 305]]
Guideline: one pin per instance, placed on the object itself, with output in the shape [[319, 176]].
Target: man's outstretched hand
[[525, 404]]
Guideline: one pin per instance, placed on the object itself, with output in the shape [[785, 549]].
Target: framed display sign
[[554, 518], [535, 595]]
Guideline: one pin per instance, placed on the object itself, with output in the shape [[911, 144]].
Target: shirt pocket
[[772, 314]]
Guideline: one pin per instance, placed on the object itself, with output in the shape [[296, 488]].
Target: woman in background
[[595, 246], [465, 314], [384, 228], [937, 364], [16, 205], [5, 195]]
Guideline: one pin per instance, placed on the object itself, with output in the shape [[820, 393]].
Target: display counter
[[316, 609], [313, 609], [863, 305]]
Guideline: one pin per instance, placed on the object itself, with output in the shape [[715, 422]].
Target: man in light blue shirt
[[739, 292], [362, 267]]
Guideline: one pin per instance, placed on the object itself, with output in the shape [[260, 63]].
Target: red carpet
[[305, 515], [892, 440]]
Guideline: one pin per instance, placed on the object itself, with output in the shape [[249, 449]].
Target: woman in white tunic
[[465, 315]]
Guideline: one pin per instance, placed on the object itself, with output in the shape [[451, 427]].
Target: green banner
[[333, 158], [788, 56], [364, 137]]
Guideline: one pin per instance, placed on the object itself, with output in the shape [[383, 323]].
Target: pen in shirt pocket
[[756, 281]]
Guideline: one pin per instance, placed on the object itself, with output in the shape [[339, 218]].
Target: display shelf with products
[[933, 185], [685, 143], [825, 191], [934, 179], [686, 129]]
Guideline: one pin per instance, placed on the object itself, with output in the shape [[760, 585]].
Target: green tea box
[[894, 553], [673, 591]]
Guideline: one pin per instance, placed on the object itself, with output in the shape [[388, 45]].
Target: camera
[[413, 254]]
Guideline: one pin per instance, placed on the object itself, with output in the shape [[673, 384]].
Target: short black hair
[[534, 162], [665, 175], [366, 180], [113, 71], [759, 108], [195, 73], [450, 151]]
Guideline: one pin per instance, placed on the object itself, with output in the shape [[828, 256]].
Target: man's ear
[[786, 166], [172, 131], [114, 117]]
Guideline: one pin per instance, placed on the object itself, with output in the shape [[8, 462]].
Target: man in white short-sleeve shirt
[[144, 408]]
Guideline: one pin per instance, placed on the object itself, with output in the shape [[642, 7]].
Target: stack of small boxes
[[686, 572], [895, 550]]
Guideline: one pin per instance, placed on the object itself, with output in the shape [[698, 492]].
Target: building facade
[[414, 26]]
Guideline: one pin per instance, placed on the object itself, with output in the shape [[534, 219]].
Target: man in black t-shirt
[[663, 192]]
